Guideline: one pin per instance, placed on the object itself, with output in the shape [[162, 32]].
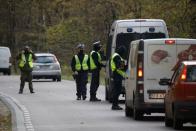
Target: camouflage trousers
[[26, 76]]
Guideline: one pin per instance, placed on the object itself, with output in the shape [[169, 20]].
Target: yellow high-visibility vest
[[23, 61], [84, 65], [113, 65], [92, 63]]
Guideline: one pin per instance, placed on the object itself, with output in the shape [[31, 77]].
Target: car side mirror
[[164, 82]]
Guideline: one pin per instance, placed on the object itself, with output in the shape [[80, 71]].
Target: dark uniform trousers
[[94, 83], [26, 76], [117, 79], [81, 81]]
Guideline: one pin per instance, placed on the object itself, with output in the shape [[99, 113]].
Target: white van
[[149, 62], [5, 57], [122, 32]]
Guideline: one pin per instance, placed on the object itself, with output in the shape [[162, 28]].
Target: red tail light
[[170, 42], [140, 70], [183, 75], [140, 73]]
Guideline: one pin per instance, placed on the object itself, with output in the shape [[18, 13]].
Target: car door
[[172, 89]]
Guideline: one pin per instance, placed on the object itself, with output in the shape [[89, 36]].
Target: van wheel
[[106, 94], [128, 110], [168, 122], [137, 115], [177, 123]]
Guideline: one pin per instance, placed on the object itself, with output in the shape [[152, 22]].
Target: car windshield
[[45, 59], [191, 73]]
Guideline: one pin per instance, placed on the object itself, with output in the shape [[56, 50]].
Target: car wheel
[[128, 110], [59, 79], [9, 72], [177, 123], [54, 79]]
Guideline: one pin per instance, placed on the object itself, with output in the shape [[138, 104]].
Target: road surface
[[54, 108]]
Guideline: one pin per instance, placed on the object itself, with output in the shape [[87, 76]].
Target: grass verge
[[5, 118]]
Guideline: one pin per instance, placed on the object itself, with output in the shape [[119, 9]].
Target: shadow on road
[[153, 118]]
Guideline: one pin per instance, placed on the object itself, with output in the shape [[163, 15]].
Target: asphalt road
[[54, 108]]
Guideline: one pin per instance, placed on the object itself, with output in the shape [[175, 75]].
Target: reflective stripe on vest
[[23, 61], [84, 65], [92, 63], [113, 65]]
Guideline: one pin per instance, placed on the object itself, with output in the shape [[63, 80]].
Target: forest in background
[[57, 26]]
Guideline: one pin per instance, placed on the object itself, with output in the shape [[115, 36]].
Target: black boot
[[116, 107]]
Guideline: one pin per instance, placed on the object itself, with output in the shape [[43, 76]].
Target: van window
[[124, 39], [148, 35]]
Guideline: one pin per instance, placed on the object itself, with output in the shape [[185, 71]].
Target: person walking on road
[[25, 59], [118, 73], [95, 67], [79, 65]]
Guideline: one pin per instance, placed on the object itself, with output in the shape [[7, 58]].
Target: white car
[[46, 66], [5, 60]]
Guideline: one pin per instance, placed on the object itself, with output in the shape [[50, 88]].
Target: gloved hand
[[75, 73]]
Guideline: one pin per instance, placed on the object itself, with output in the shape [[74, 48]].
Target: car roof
[[44, 54], [193, 62], [3, 47]]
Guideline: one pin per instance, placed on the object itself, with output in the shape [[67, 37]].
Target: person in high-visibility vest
[[25, 63], [95, 67], [118, 68], [79, 65]]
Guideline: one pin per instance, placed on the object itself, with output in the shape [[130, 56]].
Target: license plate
[[44, 67], [157, 95]]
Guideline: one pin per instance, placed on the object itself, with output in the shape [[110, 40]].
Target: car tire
[[9, 72], [128, 110], [59, 79], [177, 123], [53, 79]]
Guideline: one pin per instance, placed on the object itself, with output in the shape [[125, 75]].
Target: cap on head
[[97, 44], [26, 47], [80, 46]]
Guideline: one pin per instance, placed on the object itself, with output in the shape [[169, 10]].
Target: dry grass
[[5, 118]]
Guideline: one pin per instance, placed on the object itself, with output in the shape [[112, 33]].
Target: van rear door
[[4, 57], [159, 59]]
